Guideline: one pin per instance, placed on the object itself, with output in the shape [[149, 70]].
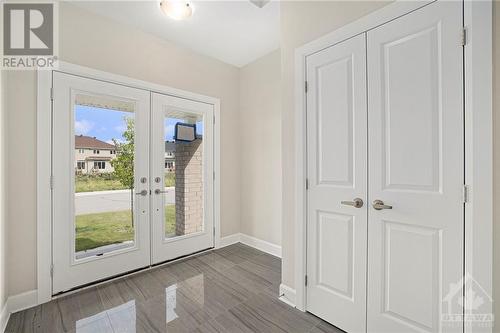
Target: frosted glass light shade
[[176, 9]]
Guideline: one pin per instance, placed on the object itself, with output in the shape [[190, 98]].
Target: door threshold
[[127, 274]]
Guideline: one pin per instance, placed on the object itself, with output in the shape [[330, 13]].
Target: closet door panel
[[336, 144], [416, 165]]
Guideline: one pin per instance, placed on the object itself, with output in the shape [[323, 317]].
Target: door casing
[[478, 139], [43, 148], [76, 272]]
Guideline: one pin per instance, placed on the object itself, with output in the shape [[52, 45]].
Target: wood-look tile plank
[[230, 290], [238, 253], [324, 327], [24, 321], [270, 309]]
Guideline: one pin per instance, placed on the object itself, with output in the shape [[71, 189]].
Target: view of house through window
[[104, 177], [183, 194]]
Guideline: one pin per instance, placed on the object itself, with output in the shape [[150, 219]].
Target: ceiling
[[235, 32]]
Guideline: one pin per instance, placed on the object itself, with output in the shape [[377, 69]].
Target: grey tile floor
[[233, 289]]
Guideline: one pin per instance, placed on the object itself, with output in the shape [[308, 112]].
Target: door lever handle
[[143, 193], [158, 191], [379, 205], [356, 203]]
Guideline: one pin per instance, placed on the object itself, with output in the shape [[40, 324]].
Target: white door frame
[[478, 134], [43, 149]]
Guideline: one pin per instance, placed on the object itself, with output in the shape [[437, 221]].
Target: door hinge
[[466, 193], [52, 270], [51, 182], [213, 175], [214, 120], [307, 183], [51, 94], [464, 36], [305, 86], [305, 280]]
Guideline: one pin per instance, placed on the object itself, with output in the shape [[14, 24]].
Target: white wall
[[260, 137], [91, 40], [302, 22], [21, 181]]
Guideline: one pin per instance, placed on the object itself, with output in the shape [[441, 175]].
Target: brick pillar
[[188, 187]]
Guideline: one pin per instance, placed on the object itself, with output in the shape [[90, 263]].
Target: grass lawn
[[169, 178], [91, 183], [94, 230]]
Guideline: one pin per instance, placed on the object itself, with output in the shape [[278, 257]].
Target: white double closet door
[[385, 164], [125, 193]]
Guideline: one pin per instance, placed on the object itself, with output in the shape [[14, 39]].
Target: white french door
[[385, 168], [126, 193], [98, 232], [337, 162], [416, 165], [182, 216]]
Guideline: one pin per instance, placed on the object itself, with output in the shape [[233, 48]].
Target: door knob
[[356, 203], [158, 191], [143, 193], [379, 205]]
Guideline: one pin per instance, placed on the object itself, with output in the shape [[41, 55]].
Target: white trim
[[478, 129], [287, 295], [4, 318], [261, 245], [479, 147], [217, 160], [17, 303], [22, 301], [44, 130], [228, 240], [251, 241], [43, 174]]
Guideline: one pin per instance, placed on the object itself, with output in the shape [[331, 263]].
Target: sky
[[106, 124]]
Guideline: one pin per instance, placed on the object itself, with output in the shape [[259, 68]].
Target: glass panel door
[[182, 167], [104, 175], [100, 158]]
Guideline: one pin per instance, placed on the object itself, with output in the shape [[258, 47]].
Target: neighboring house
[[170, 155], [93, 155]]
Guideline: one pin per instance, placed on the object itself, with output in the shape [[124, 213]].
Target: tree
[[123, 164]]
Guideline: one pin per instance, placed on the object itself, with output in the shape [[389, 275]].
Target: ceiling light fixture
[[176, 9]]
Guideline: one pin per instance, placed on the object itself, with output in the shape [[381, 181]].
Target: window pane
[[104, 178], [183, 164]]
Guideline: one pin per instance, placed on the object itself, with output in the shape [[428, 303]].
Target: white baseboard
[[22, 301], [16, 303], [287, 295], [261, 245], [4, 317], [229, 240], [256, 243]]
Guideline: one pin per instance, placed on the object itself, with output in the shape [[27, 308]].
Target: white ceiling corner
[[235, 32]]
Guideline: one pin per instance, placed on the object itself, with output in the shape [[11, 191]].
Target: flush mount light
[[177, 9]]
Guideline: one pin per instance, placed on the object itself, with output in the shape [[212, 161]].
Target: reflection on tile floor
[[233, 289]]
